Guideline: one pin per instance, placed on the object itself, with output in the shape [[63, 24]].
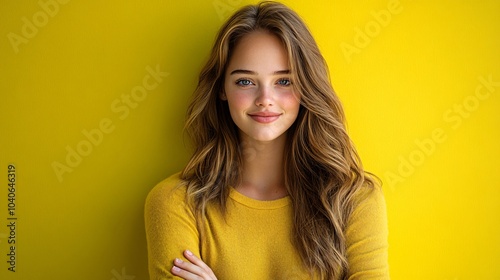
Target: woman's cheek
[[291, 101], [241, 99]]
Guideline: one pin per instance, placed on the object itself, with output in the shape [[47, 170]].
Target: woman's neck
[[263, 176]]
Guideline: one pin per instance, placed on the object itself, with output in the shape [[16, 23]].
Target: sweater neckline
[[258, 204]]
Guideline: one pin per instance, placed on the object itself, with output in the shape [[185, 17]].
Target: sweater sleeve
[[170, 227], [366, 236]]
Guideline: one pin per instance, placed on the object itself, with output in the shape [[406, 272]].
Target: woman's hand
[[194, 269]]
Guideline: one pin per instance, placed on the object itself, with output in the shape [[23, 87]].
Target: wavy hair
[[322, 169]]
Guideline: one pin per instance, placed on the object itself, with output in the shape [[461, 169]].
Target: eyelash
[[240, 82], [288, 82]]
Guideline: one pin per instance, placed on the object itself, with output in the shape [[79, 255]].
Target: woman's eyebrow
[[281, 72], [242, 71], [249, 72]]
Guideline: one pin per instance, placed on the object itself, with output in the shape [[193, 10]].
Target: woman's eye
[[243, 82], [284, 82]]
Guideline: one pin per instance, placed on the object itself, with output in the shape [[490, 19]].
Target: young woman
[[275, 188]]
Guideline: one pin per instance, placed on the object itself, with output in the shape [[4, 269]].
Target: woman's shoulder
[[369, 203], [167, 192], [369, 194]]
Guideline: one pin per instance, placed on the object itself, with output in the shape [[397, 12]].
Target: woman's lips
[[264, 117]]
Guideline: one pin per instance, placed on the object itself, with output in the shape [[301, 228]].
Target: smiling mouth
[[265, 117]]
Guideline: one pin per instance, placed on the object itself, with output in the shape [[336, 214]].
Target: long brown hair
[[322, 169]]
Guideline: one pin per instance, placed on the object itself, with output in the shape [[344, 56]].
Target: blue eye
[[284, 82], [243, 82]]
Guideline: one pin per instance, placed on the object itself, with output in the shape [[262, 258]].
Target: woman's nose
[[264, 96]]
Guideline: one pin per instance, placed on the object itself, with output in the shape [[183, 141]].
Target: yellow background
[[404, 78]]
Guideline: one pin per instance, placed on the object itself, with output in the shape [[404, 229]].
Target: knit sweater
[[253, 240]]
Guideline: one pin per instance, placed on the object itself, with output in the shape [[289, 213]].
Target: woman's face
[[258, 87]]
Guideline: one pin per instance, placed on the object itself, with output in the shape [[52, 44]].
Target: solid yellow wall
[[94, 96]]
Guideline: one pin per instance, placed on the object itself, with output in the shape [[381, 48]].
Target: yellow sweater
[[254, 240]]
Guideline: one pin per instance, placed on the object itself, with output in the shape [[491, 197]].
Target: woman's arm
[[367, 237], [170, 228], [193, 269]]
